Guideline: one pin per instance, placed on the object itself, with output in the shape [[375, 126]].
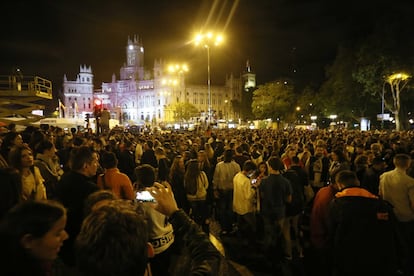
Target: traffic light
[[97, 108], [87, 117]]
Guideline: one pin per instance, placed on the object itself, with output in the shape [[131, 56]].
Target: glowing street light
[[207, 40], [169, 82], [177, 68]]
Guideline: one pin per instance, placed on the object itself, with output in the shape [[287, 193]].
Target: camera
[[145, 196]]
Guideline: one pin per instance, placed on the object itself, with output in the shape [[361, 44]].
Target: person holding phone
[[244, 202], [160, 231], [129, 249]]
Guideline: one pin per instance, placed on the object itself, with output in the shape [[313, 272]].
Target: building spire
[[248, 69]]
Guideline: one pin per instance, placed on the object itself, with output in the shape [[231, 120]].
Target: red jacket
[[319, 220]]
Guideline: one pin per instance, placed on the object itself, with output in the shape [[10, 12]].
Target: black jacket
[[72, 190], [362, 234], [148, 157]]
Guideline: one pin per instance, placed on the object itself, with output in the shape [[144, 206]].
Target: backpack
[[298, 199]]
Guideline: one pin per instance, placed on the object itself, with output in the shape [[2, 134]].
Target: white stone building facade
[[142, 95]]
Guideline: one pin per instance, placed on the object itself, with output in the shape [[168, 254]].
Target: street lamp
[[179, 70], [207, 40]]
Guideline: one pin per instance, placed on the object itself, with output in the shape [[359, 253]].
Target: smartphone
[[254, 181], [145, 196]]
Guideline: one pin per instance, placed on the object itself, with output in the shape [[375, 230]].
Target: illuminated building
[[142, 95]]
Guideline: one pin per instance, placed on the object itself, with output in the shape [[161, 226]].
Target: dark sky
[[52, 37]]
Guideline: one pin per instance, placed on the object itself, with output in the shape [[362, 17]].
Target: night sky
[[51, 38]]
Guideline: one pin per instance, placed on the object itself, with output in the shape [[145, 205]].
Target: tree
[[341, 94], [273, 100], [184, 111], [245, 107], [378, 58], [237, 107], [310, 103], [358, 74], [397, 83]]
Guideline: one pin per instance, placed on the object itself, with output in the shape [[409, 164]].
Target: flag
[[61, 109]]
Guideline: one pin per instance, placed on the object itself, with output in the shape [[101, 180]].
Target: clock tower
[[134, 67], [249, 78]]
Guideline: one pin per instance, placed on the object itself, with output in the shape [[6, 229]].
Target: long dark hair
[[190, 177], [175, 167], [15, 156], [30, 217]]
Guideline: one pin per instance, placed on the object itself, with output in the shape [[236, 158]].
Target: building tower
[[78, 95], [249, 78], [249, 85], [133, 69]]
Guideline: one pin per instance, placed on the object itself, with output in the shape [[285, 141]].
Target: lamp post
[[207, 40], [297, 121]]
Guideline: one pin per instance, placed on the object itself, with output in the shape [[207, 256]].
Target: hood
[[355, 191]]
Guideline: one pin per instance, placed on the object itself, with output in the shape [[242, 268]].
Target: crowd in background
[[255, 183]]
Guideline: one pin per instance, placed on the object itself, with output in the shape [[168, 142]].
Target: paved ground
[[251, 261]]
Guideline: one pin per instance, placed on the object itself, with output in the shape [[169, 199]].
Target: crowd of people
[[70, 206]]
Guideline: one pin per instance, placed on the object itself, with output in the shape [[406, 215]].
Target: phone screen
[[145, 196]]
